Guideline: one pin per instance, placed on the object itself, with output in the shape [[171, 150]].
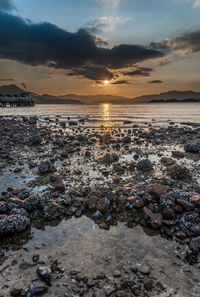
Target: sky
[[120, 47]]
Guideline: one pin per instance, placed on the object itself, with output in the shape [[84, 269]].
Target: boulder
[[157, 190], [153, 219], [13, 224]]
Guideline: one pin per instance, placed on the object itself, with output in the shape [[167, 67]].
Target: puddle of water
[[79, 244]]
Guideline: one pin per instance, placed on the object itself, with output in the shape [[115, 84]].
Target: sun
[[106, 82]]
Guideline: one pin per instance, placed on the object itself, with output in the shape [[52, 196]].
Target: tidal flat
[[106, 211]]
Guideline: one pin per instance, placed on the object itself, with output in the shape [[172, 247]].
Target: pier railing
[[16, 100]]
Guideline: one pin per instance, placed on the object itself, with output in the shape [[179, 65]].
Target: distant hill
[[166, 97], [39, 99], [11, 89], [171, 95], [189, 100]]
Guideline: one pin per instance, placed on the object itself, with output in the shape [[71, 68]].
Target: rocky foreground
[[143, 175]]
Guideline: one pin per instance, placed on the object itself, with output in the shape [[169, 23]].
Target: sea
[[111, 114]]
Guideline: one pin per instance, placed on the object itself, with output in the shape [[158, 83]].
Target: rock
[[32, 120], [185, 204], [103, 225], [15, 203], [195, 245], [181, 235], [116, 273], [102, 204], [45, 274], [57, 182], [168, 213], [3, 207], [196, 229], [50, 209], [37, 288], [24, 265], [13, 224], [35, 139], [110, 158], [126, 139], [195, 198], [15, 292], [45, 167], [179, 172], [193, 147], [144, 165], [157, 190], [32, 203], [153, 219], [166, 161], [148, 284], [136, 201], [146, 270], [91, 201]]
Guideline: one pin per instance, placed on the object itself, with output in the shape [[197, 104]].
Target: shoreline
[[145, 175]]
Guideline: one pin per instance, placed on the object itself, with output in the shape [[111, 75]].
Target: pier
[[16, 100]]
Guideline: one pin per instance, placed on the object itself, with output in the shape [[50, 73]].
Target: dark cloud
[[6, 5], [139, 71], [121, 82], [6, 79], [156, 81], [46, 44], [187, 44], [96, 73]]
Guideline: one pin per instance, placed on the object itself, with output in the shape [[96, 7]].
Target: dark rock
[[50, 209], [25, 265], [168, 213], [166, 161], [153, 219], [15, 202], [196, 229], [185, 204], [116, 273], [136, 201], [15, 292], [45, 274], [110, 158], [35, 139], [45, 167], [126, 139], [157, 190], [148, 284], [179, 172], [37, 288], [144, 165], [57, 182], [193, 147], [13, 223]]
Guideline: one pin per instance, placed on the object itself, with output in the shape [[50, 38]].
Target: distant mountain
[[11, 89], [39, 99], [97, 99], [49, 99], [171, 96], [189, 100]]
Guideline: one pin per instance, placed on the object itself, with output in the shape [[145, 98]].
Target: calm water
[[114, 114]]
